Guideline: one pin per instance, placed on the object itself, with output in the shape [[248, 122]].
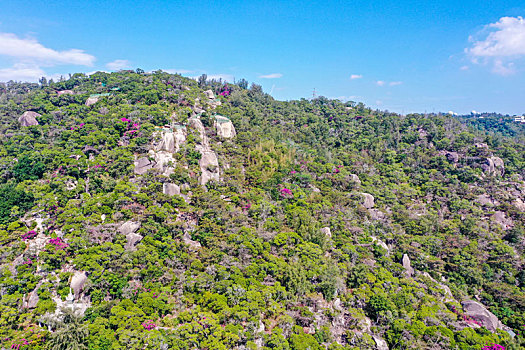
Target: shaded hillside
[[154, 211]]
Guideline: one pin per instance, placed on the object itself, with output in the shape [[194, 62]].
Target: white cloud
[[464, 68], [500, 43], [31, 49], [395, 83], [271, 76], [506, 38], [118, 64], [380, 83], [355, 76], [21, 72], [502, 68]]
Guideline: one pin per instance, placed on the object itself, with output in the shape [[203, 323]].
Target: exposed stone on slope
[[380, 243], [128, 229], [167, 142], [355, 179], [29, 118], [381, 344], [164, 162], [77, 282], [187, 239], [209, 165], [326, 231], [479, 313], [493, 166], [132, 240], [409, 271], [502, 220], [518, 203], [224, 127], [91, 101], [484, 200], [32, 300], [368, 200], [170, 189], [209, 94], [142, 165]]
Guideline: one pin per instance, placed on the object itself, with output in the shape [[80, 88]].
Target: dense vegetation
[[299, 245]]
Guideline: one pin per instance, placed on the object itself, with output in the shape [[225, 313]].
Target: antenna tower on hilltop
[[314, 95]]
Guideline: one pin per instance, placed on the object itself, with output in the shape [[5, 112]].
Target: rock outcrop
[[224, 127], [209, 94], [91, 101], [368, 200], [78, 281], [129, 230], [209, 165], [29, 118], [355, 179], [409, 271], [170, 189], [326, 231], [479, 313], [142, 165], [493, 166]]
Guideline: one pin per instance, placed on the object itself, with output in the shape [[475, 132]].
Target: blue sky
[[401, 55]]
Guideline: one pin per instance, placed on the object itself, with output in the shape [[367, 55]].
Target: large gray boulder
[[170, 189], [381, 344], [355, 179], [29, 118], [326, 231], [142, 165], [224, 127], [209, 94], [479, 313], [91, 101], [368, 200], [164, 162], [78, 281], [409, 271], [132, 240], [209, 165], [167, 142]]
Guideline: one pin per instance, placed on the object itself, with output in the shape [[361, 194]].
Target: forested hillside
[[152, 211]]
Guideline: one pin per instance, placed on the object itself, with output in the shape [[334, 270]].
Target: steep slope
[[168, 213]]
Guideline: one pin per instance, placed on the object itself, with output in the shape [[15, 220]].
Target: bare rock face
[[209, 165], [209, 94], [164, 162], [65, 92], [224, 127], [493, 166], [478, 312], [32, 300], [129, 227], [29, 118], [499, 166], [452, 157], [501, 219], [91, 101], [376, 214], [78, 281], [409, 271], [368, 200], [132, 240], [142, 165], [170, 189], [167, 142], [518, 203], [484, 200], [380, 243], [355, 179], [187, 239], [180, 137], [326, 231], [381, 344]]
